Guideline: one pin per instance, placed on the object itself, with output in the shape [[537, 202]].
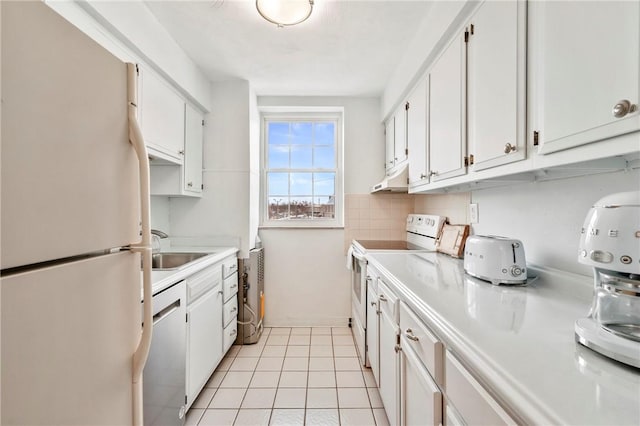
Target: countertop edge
[[161, 280]]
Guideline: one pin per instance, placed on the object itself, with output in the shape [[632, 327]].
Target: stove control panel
[[425, 224]]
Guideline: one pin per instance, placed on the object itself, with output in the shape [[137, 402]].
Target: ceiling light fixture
[[285, 12]]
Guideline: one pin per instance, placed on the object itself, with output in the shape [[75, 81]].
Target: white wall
[[225, 207], [548, 216], [306, 281]]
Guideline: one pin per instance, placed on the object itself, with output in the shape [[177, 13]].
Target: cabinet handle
[[410, 336], [623, 108], [509, 148], [382, 298], [397, 348]]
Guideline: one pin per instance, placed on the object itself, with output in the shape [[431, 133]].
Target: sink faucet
[[156, 235]]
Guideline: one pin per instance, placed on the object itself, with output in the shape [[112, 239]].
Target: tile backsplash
[[382, 216]]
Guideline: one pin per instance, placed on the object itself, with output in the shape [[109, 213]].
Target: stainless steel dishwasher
[[164, 373]]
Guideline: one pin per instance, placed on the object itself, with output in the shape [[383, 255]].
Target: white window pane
[[278, 184], [324, 133], [301, 157], [324, 157], [301, 184], [301, 133], [278, 156], [324, 184], [278, 133]]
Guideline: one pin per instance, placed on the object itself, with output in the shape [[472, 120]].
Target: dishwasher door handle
[[166, 312]]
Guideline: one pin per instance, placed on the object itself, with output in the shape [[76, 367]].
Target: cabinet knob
[[181, 152], [190, 184], [373, 303], [433, 173], [382, 298], [509, 148], [397, 348], [423, 176], [623, 108]]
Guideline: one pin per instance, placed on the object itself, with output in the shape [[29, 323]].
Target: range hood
[[396, 182]]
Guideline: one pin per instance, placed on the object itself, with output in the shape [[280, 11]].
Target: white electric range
[[422, 233]]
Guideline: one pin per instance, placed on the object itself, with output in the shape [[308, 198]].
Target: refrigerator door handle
[[144, 247]]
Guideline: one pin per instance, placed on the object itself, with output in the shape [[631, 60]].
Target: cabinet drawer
[[426, 346], [229, 266], [230, 311], [470, 399], [229, 336], [230, 286], [421, 398], [200, 283], [388, 301]]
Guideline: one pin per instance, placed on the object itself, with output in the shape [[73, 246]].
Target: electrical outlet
[[473, 213]]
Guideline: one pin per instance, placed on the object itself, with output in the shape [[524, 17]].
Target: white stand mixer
[[610, 242]]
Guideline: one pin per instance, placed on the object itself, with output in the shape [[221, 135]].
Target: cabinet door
[[388, 381], [161, 116], [204, 341], [372, 332], [390, 135], [421, 398], [496, 84], [447, 129], [586, 61], [400, 135], [193, 133], [417, 134]]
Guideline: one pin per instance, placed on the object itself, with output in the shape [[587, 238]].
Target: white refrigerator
[[74, 213]]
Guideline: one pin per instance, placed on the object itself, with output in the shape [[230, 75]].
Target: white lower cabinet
[[421, 398], [388, 342], [373, 318], [204, 340], [470, 398]]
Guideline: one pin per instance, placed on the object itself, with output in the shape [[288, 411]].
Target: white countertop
[[519, 341], [163, 279]]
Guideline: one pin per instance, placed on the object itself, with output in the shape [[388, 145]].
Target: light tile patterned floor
[[292, 376]]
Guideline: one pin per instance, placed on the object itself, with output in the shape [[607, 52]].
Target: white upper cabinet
[[417, 134], [193, 134], [161, 115], [390, 135], [400, 149], [447, 120], [496, 89], [585, 58]]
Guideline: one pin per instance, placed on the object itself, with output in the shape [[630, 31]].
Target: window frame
[[302, 114]]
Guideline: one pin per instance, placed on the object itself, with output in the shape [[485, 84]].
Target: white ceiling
[[346, 47]]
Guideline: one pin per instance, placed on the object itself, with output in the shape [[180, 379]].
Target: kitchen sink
[[166, 261]]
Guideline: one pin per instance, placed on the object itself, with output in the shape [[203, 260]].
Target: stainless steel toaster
[[499, 260]]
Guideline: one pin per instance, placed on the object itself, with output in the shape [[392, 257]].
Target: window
[[302, 176]]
